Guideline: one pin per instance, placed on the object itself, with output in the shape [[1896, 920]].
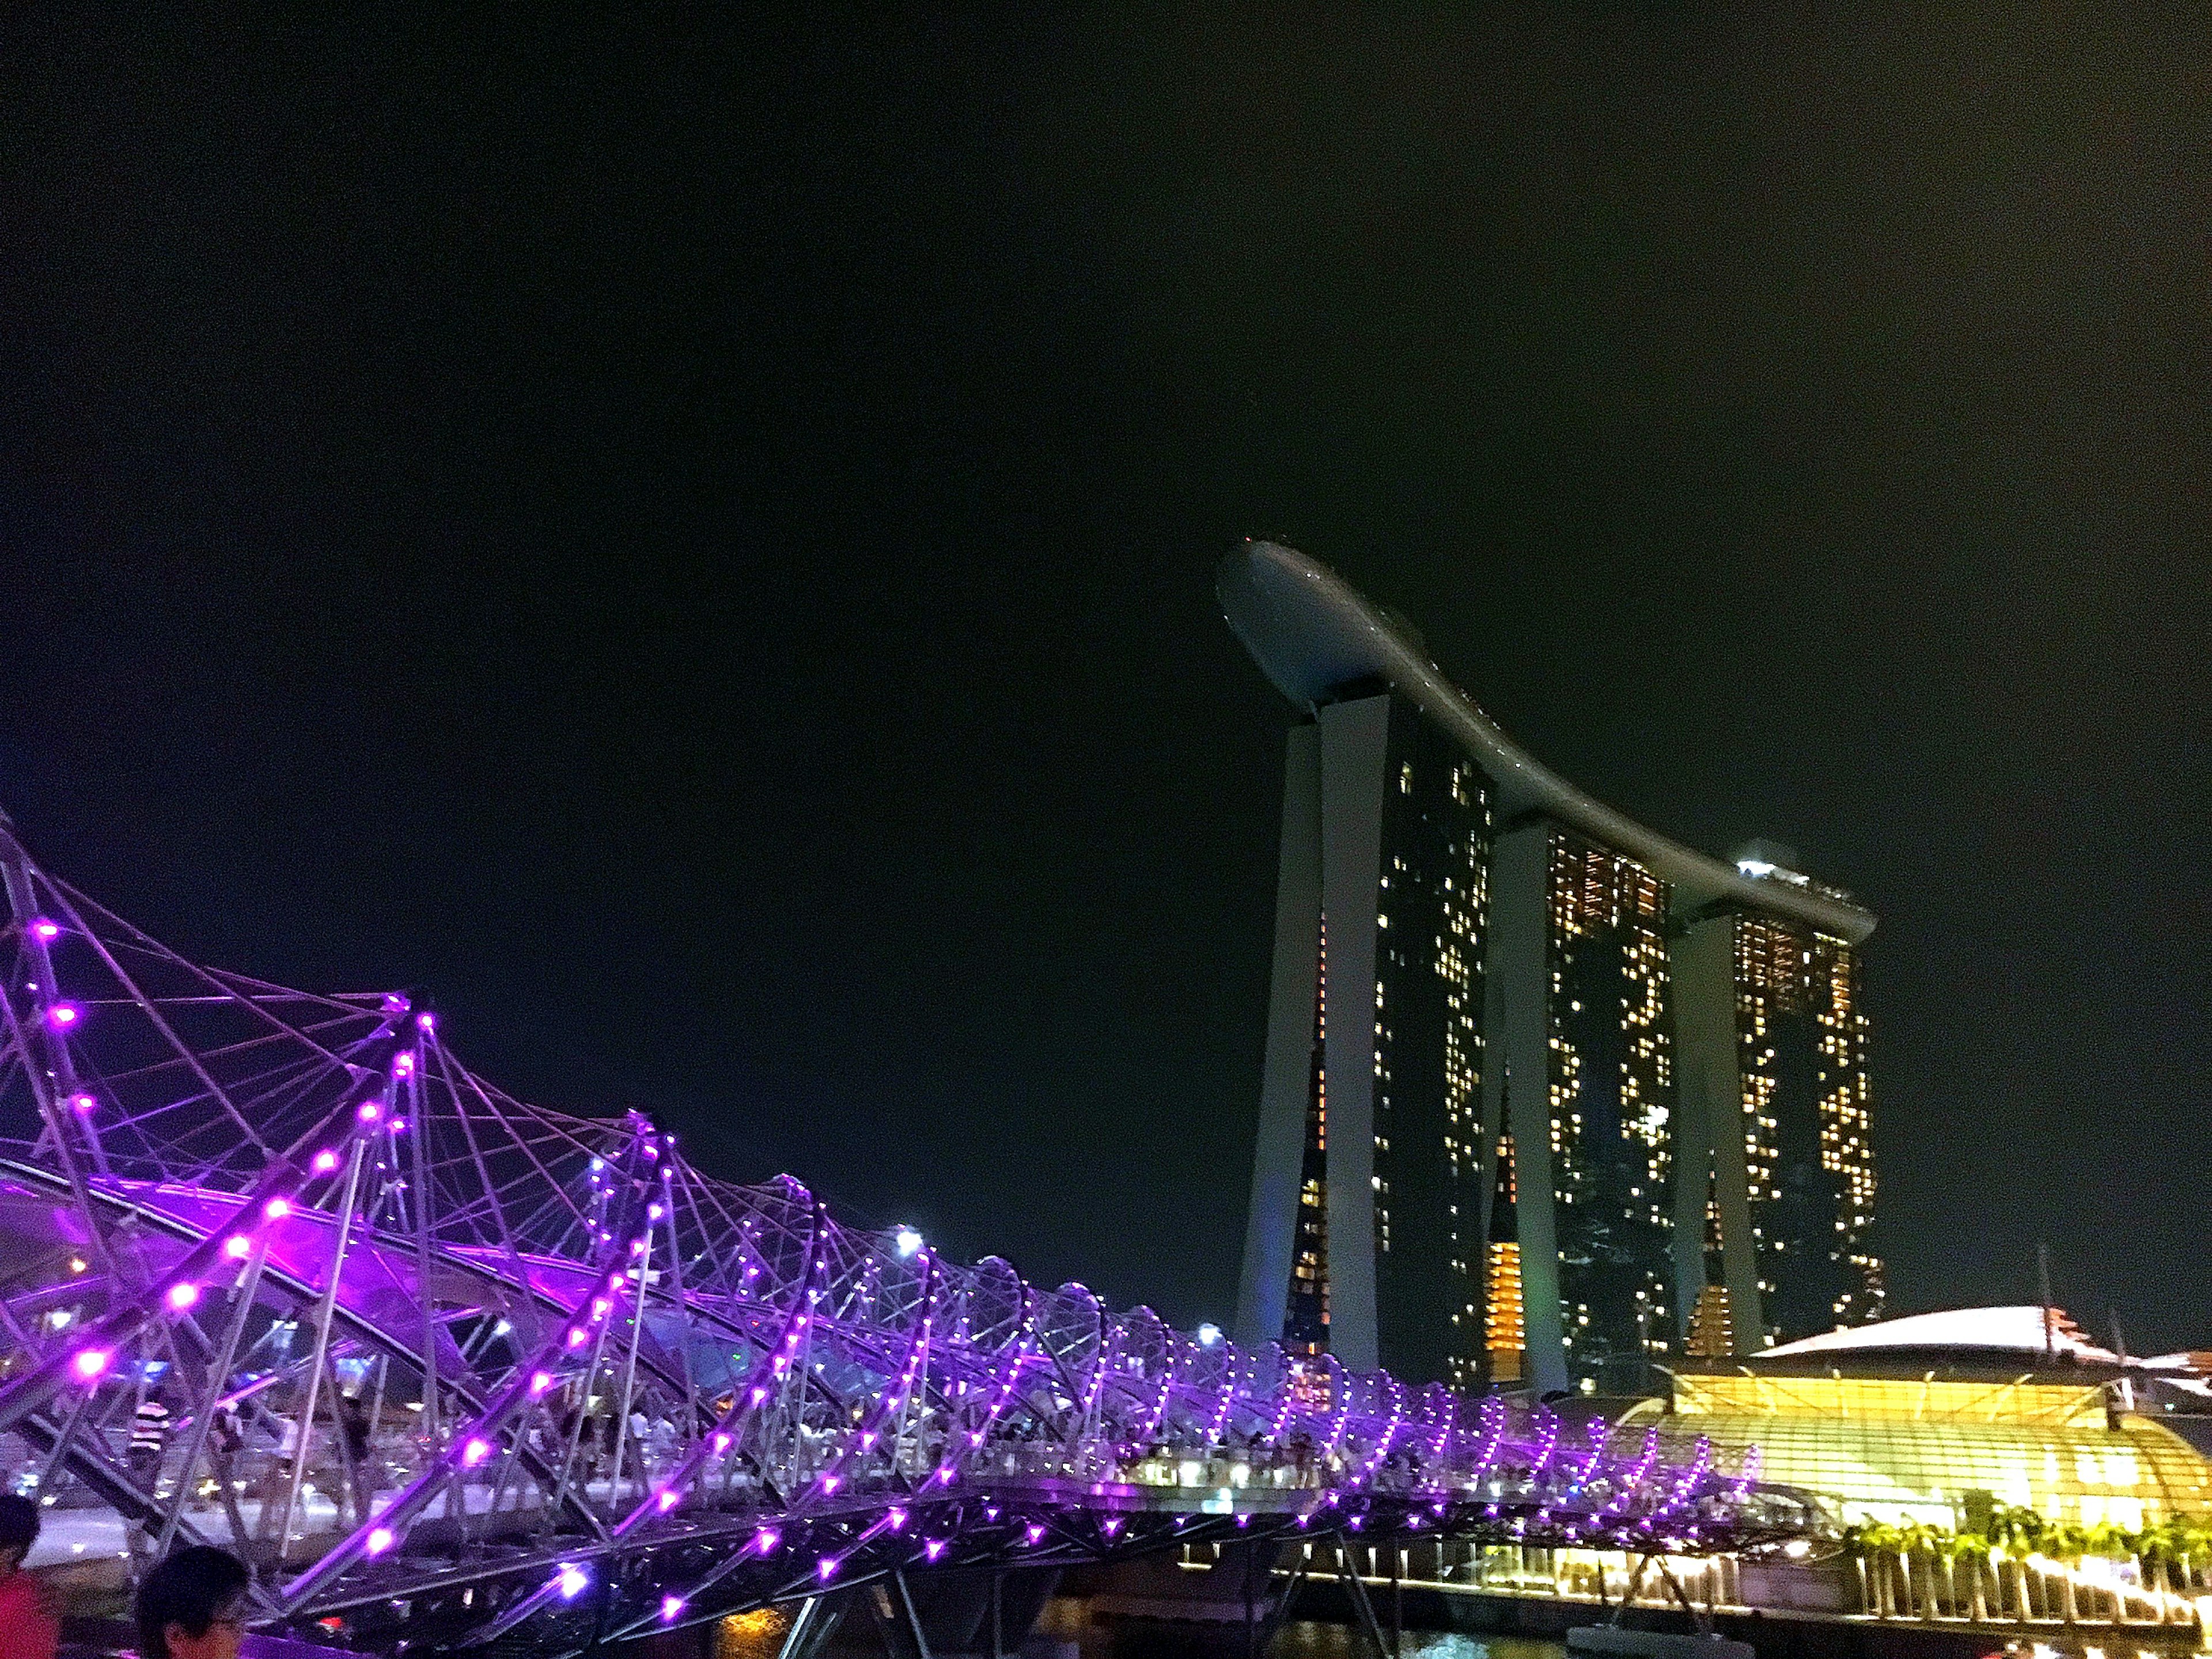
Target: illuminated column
[[1505, 1330], [1712, 1329], [1712, 1325], [1286, 1080], [1517, 988], [1354, 744], [1709, 1085]]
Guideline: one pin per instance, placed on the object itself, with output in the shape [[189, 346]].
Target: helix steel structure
[[279, 1273]]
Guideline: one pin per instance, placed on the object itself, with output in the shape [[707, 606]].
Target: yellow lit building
[[1929, 1427]]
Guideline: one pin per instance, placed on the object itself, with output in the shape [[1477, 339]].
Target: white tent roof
[[2018, 1330]]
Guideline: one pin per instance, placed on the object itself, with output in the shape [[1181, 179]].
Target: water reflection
[[1307, 1639], [1067, 1622]]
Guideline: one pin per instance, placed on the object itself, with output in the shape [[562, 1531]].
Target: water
[[1307, 1639], [1066, 1619]]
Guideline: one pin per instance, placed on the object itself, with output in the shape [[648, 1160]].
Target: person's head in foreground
[[193, 1605], [19, 1530]]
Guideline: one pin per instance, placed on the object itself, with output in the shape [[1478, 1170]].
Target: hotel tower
[[1465, 941]]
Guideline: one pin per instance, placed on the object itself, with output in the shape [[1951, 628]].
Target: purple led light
[[671, 1609], [238, 1247], [426, 1022], [326, 1161], [895, 1519], [402, 1065], [766, 1540], [667, 1499], [90, 1364], [83, 1102], [571, 1581], [45, 929], [540, 1381], [826, 1568], [369, 1112], [182, 1295], [379, 1540], [63, 1015], [932, 1547], [474, 1452], [277, 1208]]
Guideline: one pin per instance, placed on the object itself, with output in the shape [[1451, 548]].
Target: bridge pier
[[959, 1615], [814, 1624]]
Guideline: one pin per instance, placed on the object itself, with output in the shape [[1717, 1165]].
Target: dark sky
[[688, 540]]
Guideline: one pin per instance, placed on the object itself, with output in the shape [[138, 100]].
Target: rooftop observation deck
[[1312, 635]]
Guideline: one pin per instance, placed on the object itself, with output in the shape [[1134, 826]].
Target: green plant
[[2019, 1528]]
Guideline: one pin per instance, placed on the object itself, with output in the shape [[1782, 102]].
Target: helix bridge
[[279, 1273]]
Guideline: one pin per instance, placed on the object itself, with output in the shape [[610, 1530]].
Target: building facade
[[1808, 1167], [1375, 1049], [1930, 1419], [1611, 1093], [1462, 937]]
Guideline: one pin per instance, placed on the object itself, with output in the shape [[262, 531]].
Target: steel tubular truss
[[450, 1369]]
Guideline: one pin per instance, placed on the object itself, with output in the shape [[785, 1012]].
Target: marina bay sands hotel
[[1548, 1099]]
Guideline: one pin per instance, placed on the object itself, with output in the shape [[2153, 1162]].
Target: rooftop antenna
[[2042, 1289], [2120, 1347]]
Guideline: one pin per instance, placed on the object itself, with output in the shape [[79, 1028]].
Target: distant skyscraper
[[1455, 927]]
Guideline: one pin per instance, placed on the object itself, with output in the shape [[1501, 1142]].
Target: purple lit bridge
[[454, 1370]]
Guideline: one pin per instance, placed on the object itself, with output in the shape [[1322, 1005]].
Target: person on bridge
[[28, 1629], [354, 1425], [149, 1437], [193, 1605]]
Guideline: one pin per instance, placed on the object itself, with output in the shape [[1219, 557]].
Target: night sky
[[688, 541]]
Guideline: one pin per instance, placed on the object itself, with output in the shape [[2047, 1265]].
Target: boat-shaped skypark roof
[[1315, 638]]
